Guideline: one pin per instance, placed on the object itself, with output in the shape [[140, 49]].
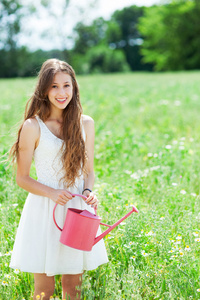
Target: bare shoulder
[[31, 128], [88, 124], [87, 119]]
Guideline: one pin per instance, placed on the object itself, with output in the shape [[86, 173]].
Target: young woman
[[61, 140]]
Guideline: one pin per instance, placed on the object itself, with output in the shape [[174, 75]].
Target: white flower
[[162, 218], [195, 233], [178, 242], [187, 248], [177, 103], [171, 251], [183, 192], [193, 194], [144, 253], [168, 147], [4, 283], [197, 240], [149, 233], [150, 154], [16, 271], [174, 183], [132, 257], [179, 237], [181, 147]]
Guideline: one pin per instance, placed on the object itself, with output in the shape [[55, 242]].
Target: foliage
[[174, 45], [123, 33], [147, 154]]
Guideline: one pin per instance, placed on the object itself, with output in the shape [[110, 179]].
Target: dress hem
[[57, 273]]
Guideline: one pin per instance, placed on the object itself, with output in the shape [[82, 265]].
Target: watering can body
[[81, 226]]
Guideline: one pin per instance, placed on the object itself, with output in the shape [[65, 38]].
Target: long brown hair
[[73, 151]]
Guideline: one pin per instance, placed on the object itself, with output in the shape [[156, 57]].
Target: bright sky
[[45, 33]]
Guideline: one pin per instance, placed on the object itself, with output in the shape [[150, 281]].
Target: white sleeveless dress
[[37, 248]]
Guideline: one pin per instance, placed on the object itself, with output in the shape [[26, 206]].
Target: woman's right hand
[[60, 196]]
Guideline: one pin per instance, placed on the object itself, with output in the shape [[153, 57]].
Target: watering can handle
[[73, 195]]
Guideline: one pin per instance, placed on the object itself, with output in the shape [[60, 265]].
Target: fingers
[[62, 197], [92, 200]]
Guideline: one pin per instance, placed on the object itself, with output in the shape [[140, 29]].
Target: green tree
[[123, 34], [87, 36], [171, 35]]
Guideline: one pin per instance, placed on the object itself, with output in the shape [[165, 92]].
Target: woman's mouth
[[61, 100]]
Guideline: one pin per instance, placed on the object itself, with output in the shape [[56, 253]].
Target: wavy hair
[[73, 150]]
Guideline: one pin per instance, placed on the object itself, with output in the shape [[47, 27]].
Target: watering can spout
[[111, 227]]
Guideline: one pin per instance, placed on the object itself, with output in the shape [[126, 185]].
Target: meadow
[[147, 153]]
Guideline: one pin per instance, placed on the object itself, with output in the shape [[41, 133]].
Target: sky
[[45, 31]]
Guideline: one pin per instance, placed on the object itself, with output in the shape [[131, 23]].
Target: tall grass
[[147, 153]]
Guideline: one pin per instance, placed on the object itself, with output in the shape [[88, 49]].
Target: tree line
[[157, 38]]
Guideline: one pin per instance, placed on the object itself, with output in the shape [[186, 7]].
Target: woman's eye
[[67, 85], [54, 86]]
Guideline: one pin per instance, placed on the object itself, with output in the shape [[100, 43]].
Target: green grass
[[147, 153]]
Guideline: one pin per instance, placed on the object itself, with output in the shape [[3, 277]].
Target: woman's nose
[[61, 92]]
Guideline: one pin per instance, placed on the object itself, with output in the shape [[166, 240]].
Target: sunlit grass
[[147, 153]]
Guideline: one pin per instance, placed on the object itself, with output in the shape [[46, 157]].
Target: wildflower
[[149, 233], [181, 253], [16, 271], [181, 147], [174, 183], [4, 283], [8, 253], [131, 243], [147, 275], [171, 251], [197, 240], [150, 154], [183, 192], [144, 253], [187, 248], [38, 297], [133, 257], [195, 233], [179, 237], [178, 242], [162, 218], [7, 276], [177, 103], [193, 194], [172, 257], [198, 290], [168, 147]]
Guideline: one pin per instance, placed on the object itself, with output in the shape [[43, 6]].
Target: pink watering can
[[81, 227]]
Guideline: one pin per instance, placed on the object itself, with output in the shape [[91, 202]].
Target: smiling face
[[61, 91]]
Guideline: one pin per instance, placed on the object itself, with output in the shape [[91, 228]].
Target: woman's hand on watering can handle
[[91, 199], [60, 196]]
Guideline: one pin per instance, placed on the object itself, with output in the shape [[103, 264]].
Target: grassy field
[[147, 153]]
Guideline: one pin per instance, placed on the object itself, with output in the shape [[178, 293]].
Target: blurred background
[[100, 36]]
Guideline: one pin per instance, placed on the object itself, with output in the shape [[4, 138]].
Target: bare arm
[[90, 176], [29, 139]]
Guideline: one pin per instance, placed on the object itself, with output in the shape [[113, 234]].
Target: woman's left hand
[[91, 199]]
